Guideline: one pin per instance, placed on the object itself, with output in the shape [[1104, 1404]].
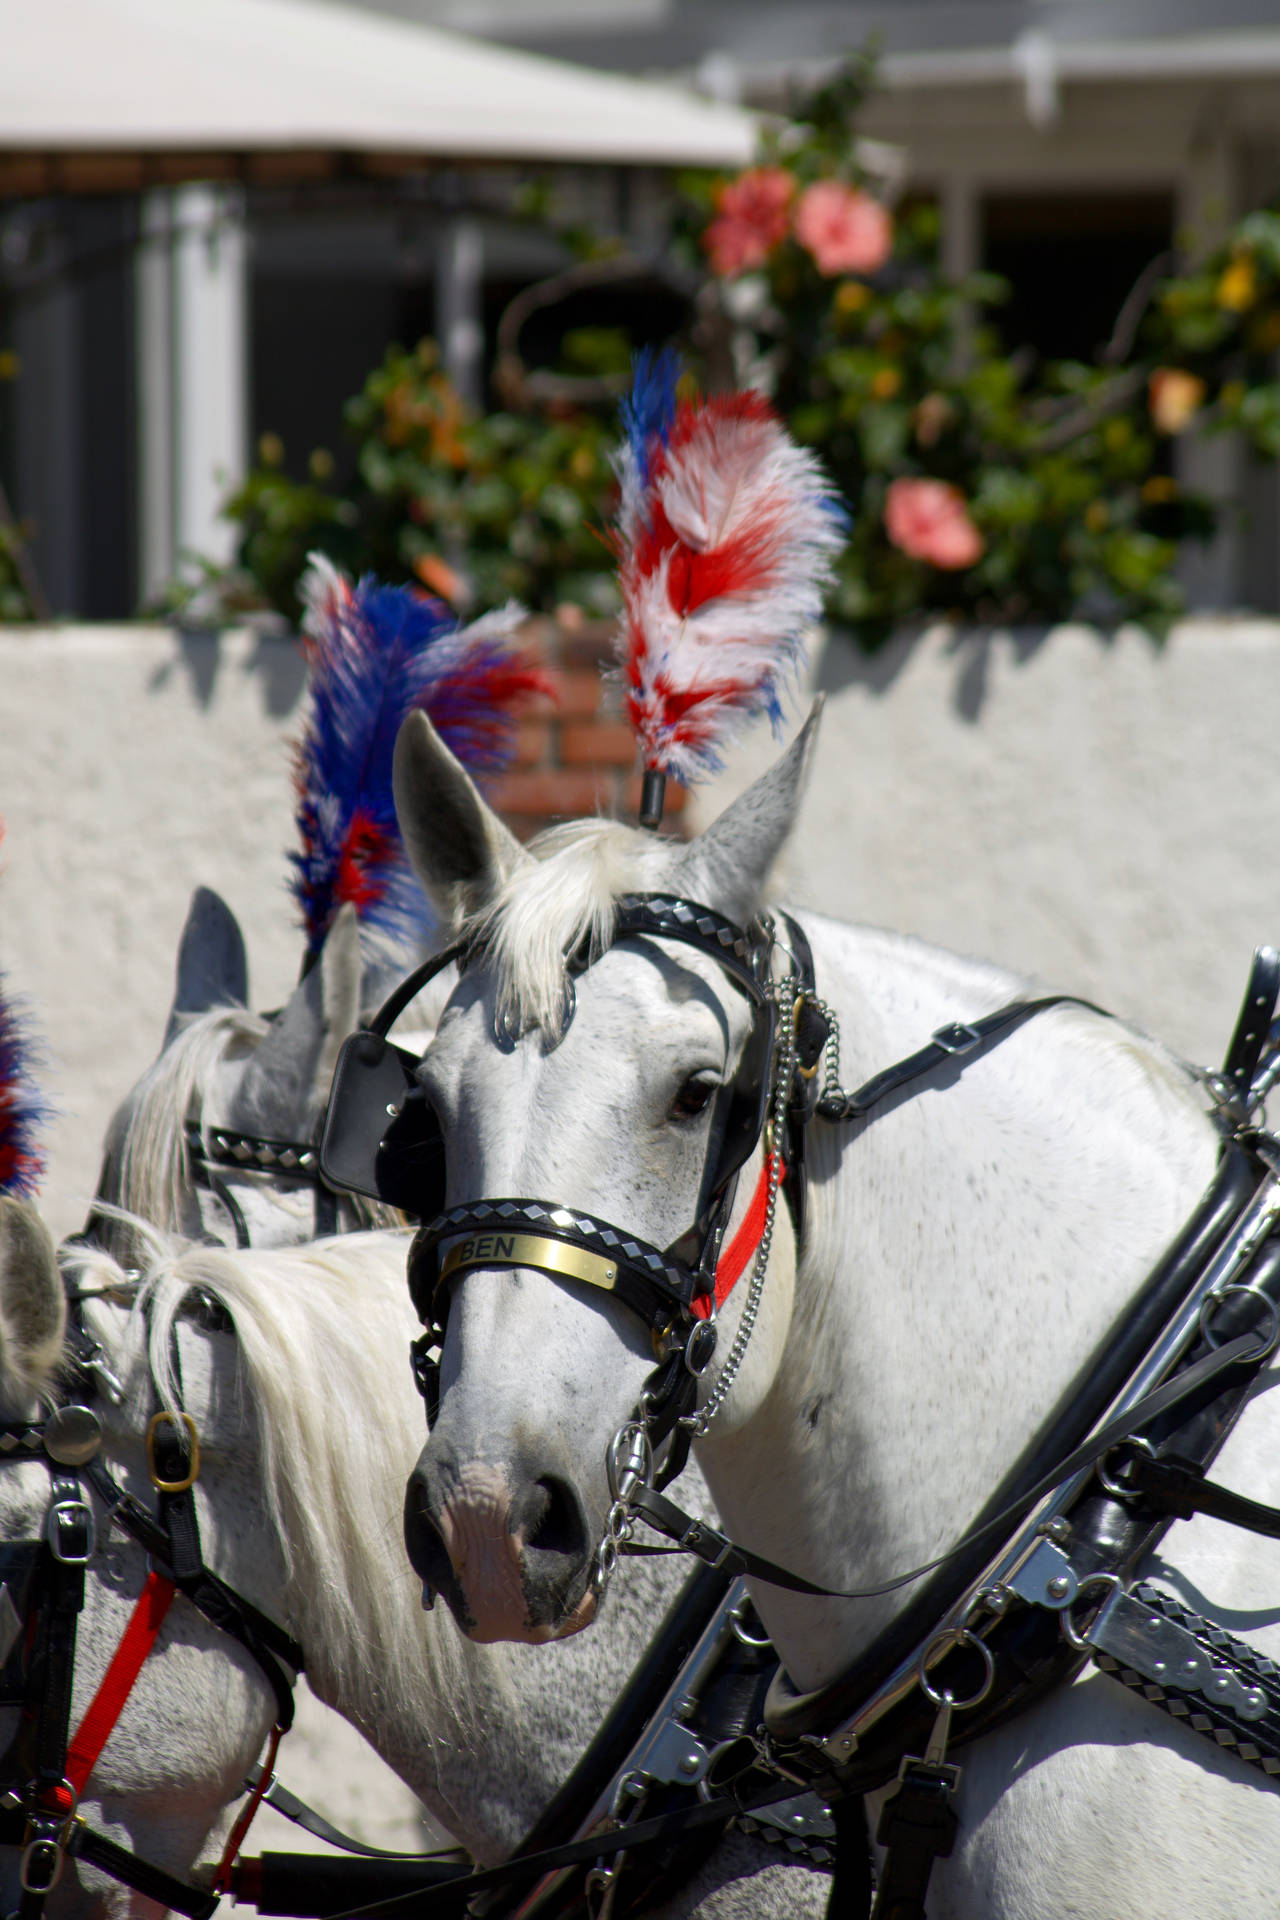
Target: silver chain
[[787, 995]]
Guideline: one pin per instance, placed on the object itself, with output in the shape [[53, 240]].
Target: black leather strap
[[164, 1888], [272, 1648], [1253, 1025], [957, 1041], [1170, 1487], [69, 1533], [665, 916], [653, 1283], [702, 1539], [291, 1808], [918, 1825]]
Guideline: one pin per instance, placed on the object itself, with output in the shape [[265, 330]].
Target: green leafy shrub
[[479, 509], [983, 485]]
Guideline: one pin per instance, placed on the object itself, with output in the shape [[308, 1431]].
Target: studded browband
[[220, 1146]]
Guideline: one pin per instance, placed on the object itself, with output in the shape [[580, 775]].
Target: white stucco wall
[[134, 765], [1099, 812]]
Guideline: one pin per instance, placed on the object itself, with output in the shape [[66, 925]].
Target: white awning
[[177, 76]]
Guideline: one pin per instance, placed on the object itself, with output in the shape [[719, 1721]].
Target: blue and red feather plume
[[23, 1113], [726, 538], [376, 653]]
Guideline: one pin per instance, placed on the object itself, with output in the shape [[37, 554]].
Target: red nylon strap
[[741, 1248], [236, 1837], [116, 1685]]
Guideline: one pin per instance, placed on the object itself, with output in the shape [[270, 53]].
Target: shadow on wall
[[276, 659], [843, 663]]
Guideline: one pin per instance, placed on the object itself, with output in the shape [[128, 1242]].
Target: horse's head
[[180, 1150], [603, 1075]]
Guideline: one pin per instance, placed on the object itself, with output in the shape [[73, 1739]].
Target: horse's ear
[[213, 968], [460, 850], [33, 1307], [727, 866], [292, 1070]]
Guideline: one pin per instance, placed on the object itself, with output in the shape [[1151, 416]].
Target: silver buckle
[[40, 1867], [68, 1514], [958, 1037]]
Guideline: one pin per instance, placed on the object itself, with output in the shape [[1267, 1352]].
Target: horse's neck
[[966, 1252]]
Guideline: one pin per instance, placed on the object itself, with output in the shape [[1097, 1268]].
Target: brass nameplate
[[529, 1250]]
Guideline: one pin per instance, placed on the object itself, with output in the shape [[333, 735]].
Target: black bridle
[[214, 1152], [381, 1138]]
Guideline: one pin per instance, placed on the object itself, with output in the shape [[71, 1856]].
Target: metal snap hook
[[632, 1467], [1111, 1583]]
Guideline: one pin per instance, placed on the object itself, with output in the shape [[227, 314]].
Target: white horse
[[482, 1739], [967, 1249], [306, 1435]]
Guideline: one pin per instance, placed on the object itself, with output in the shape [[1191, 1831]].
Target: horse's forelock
[[562, 899]]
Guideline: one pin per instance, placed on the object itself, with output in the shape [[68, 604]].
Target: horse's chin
[[526, 1632], [538, 1636], [570, 1623]]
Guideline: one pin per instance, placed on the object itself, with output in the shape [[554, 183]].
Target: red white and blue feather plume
[[375, 654], [726, 538], [23, 1113]]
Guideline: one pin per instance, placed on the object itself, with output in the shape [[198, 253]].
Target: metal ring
[[956, 1637], [1107, 1479], [193, 1441], [1217, 1297], [740, 1633], [1108, 1580]]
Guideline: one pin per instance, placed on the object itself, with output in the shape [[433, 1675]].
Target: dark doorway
[[1071, 260]]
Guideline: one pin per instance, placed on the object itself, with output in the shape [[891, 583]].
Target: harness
[[1045, 1579], [213, 1152], [44, 1772]]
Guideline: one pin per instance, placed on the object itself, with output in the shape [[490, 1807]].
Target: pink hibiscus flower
[[751, 220], [844, 229], [929, 520]]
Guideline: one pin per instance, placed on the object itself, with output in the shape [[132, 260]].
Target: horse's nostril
[[553, 1518], [426, 1549]]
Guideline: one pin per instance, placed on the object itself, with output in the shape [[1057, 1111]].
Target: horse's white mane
[[564, 897], [146, 1169], [321, 1336]]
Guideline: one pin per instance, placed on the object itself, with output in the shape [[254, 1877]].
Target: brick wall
[[576, 755]]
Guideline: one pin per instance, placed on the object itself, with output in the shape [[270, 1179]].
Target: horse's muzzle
[[509, 1551]]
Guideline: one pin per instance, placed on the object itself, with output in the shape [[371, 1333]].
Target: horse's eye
[[692, 1097]]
